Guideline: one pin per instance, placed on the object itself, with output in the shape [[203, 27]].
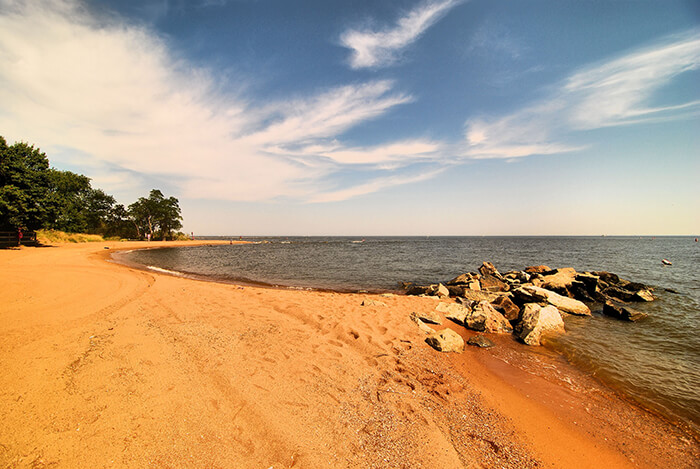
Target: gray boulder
[[537, 321], [485, 318], [563, 303]]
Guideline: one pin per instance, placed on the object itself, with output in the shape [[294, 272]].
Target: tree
[[23, 186], [156, 215]]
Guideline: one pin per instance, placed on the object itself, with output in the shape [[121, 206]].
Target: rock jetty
[[531, 303]]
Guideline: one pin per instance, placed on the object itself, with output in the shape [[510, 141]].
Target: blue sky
[[443, 117]]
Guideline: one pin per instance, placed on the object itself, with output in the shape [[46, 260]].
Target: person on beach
[[20, 235]]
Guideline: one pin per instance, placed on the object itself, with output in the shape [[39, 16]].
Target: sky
[[391, 117]]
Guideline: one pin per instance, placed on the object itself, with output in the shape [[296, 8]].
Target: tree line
[[35, 196]]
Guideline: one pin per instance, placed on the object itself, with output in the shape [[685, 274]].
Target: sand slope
[[102, 365]]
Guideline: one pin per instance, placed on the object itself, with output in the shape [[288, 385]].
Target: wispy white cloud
[[115, 95], [613, 93], [375, 185], [372, 48]]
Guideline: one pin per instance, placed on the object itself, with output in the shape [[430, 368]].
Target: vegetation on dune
[[55, 236], [34, 196]]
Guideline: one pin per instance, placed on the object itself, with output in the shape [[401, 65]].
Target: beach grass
[[55, 236]]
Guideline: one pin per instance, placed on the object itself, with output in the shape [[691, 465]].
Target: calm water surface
[[655, 361]]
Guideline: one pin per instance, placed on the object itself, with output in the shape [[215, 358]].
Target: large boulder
[[563, 303], [485, 318], [537, 321], [446, 340], [506, 307], [559, 281], [619, 293], [491, 283], [454, 312], [526, 294], [589, 280]]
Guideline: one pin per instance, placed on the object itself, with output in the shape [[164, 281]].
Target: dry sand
[[102, 365]]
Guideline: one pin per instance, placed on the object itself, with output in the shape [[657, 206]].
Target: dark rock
[[480, 341], [580, 291], [589, 280], [607, 277], [619, 293], [622, 312], [671, 290], [506, 307], [635, 287]]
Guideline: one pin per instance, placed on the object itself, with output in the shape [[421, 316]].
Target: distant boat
[[666, 262], [355, 242]]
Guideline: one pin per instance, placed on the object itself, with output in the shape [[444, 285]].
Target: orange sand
[[102, 365]]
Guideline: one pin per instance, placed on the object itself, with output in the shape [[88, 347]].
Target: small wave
[[164, 271]]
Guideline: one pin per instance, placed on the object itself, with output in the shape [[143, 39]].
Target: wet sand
[[103, 365]]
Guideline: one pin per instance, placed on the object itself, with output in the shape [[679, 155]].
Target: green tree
[[156, 215], [23, 186]]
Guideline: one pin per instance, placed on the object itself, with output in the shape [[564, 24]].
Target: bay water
[[655, 361]]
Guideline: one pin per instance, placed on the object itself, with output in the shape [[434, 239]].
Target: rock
[[580, 291], [446, 340], [488, 268], [454, 312], [526, 294], [480, 341], [468, 293], [622, 312], [559, 281], [421, 325], [506, 307], [474, 285], [416, 289], [619, 293], [537, 269], [563, 303], [607, 277], [589, 280], [430, 317], [490, 283], [463, 279], [671, 290], [442, 291], [368, 302], [536, 321], [643, 295], [635, 287], [485, 318]]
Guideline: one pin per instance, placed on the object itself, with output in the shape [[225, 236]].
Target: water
[[655, 361]]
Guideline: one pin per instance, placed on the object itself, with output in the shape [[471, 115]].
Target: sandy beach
[[105, 365]]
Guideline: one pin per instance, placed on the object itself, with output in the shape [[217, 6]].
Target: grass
[[54, 236]]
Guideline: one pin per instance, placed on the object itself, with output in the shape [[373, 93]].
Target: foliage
[[156, 215], [35, 196], [23, 183]]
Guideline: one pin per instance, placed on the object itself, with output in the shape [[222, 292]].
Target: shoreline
[[279, 377], [671, 417]]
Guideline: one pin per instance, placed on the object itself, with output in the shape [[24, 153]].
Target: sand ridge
[[103, 365]]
